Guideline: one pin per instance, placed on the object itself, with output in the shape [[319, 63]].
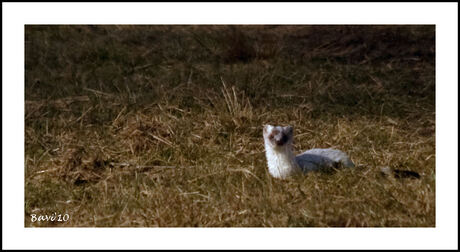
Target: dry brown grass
[[162, 125]]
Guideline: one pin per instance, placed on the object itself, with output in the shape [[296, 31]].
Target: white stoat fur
[[283, 163]]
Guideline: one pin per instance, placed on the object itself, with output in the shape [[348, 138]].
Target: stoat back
[[315, 159]]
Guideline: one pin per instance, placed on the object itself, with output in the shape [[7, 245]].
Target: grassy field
[[161, 126]]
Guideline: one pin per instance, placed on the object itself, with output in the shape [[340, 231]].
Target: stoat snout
[[281, 140]]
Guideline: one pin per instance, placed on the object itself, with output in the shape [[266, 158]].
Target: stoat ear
[[265, 129], [289, 130]]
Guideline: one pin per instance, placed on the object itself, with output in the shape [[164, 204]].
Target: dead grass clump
[[238, 105], [78, 166], [142, 133]]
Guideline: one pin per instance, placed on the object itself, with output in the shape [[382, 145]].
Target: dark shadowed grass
[[162, 125]]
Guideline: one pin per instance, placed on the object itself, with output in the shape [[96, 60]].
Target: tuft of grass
[[161, 126]]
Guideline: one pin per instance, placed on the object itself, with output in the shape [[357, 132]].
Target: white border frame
[[444, 15]]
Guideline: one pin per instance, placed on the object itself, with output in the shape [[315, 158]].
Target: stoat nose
[[280, 139]]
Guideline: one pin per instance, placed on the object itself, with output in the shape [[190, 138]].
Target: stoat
[[283, 163]]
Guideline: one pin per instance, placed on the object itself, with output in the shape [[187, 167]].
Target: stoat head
[[278, 136]]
